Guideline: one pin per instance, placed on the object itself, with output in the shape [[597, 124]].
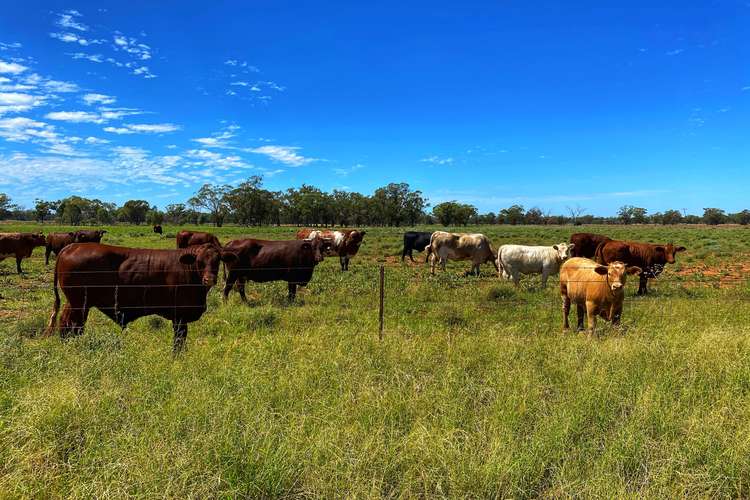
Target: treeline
[[396, 204]]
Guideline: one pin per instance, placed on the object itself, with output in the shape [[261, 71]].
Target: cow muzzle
[[615, 286]]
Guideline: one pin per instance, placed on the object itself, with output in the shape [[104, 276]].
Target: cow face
[[354, 240], [38, 239], [320, 247], [206, 258], [616, 273], [564, 250]]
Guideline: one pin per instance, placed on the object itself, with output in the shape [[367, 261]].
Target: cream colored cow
[[460, 246]]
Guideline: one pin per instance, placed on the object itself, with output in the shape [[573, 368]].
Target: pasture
[[474, 391]]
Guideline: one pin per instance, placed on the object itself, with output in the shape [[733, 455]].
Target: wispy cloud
[[344, 172], [10, 46], [241, 64], [12, 68], [75, 116], [437, 160], [144, 128], [67, 20], [74, 38], [675, 52], [284, 154], [92, 99]]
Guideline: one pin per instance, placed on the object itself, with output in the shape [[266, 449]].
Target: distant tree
[[625, 214], [155, 216], [43, 209], [534, 216], [214, 199], [252, 205], [742, 217], [575, 214], [714, 216], [105, 215], [488, 218], [395, 204], [671, 217], [512, 215], [6, 206], [640, 215], [453, 213], [134, 211]]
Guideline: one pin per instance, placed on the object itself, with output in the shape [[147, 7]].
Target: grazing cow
[[414, 240], [189, 238], [292, 261], [651, 258], [345, 242], [128, 283], [19, 245], [595, 288], [586, 243], [514, 260], [460, 246], [158, 229], [57, 241]]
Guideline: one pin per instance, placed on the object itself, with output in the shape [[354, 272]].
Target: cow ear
[[555, 247], [571, 246], [633, 270], [680, 249], [228, 257], [603, 270], [187, 259]]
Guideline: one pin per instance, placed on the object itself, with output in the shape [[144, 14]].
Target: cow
[[586, 243], [292, 261], [20, 246], [414, 240], [128, 283], [651, 258], [57, 241], [460, 246], [189, 238], [595, 289], [514, 260], [158, 229], [344, 242]]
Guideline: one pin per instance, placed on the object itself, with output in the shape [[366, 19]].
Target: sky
[[546, 104]]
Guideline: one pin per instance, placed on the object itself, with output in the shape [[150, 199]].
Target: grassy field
[[474, 391]]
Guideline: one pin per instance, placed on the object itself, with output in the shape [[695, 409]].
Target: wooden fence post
[[382, 296]]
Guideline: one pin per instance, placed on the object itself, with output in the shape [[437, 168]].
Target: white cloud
[[118, 130], [75, 116], [675, 52], [11, 67], [60, 87], [284, 154], [67, 20], [217, 160], [95, 140], [92, 99], [10, 46], [437, 160], [132, 46], [745, 88], [73, 38], [16, 102], [343, 172], [144, 128], [143, 70], [97, 58], [217, 140]]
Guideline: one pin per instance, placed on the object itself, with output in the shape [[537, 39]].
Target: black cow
[[414, 240]]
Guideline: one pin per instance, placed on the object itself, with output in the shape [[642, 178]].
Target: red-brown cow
[[19, 245], [344, 242], [128, 283], [57, 241], [189, 238], [586, 244], [651, 258]]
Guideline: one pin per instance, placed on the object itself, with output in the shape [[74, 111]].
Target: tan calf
[[597, 288]]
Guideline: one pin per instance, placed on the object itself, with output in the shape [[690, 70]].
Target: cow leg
[[432, 258], [411, 255], [180, 335], [566, 311], [18, 265], [544, 278], [642, 284], [241, 288], [580, 312], [46, 255], [615, 313], [443, 262], [72, 320], [342, 261], [292, 291], [591, 316], [229, 283]]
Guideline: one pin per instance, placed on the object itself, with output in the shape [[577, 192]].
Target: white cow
[[459, 246], [514, 260]]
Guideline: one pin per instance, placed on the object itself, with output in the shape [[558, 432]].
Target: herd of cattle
[[128, 283]]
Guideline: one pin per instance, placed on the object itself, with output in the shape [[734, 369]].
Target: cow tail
[[500, 267], [55, 308], [599, 253]]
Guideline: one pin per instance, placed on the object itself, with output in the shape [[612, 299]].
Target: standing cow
[[187, 239], [263, 260], [158, 229], [415, 240], [514, 260], [344, 242], [57, 241], [20, 246], [586, 244], [128, 283], [651, 258], [460, 246], [593, 288]]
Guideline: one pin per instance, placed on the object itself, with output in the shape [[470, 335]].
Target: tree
[[575, 213], [453, 213], [6, 206], [155, 217], [625, 214], [134, 211], [214, 199], [714, 216], [742, 217], [251, 204], [671, 217], [512, 215], [534, 216], [396, 203], [43, 209], [640, 215]]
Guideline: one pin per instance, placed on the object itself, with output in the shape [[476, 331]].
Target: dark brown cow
[[189, 238], [651, 258], [292, 261], [158, 229], [586, 243], [19, 245], [57, 241], [344, 242], [129, 283]]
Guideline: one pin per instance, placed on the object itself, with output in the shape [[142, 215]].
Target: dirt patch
[[726, 275]]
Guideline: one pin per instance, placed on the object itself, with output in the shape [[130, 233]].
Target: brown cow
[[158, 229], [129, 283], [586, 243], [344, 242], [57, 241], [292, 261], [19, 245], [651, 258], [598, 289], [189, 238]]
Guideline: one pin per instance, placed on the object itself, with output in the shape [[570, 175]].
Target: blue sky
[[491, 103]]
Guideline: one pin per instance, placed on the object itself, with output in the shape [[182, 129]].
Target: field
[[474, 390]]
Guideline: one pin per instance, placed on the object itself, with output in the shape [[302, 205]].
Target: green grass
[[474, 391]]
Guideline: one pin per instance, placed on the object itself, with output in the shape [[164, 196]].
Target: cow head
[[205, 258], [353, 241], [668, 252], [38, 239], [616, 273], [320, 248], [564, 251]]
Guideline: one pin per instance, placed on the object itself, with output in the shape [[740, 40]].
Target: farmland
[[474, 390]]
